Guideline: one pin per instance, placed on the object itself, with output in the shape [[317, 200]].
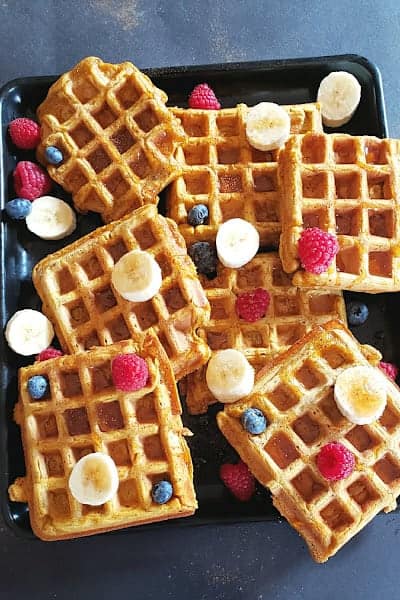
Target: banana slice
[[94, 479], [29, 332], [267, 126], [229, 375], [237, 243], [51, 218], [339, 94], [137, 276], [361, 394]]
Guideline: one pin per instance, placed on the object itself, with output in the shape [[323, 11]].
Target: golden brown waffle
[[222, 171], [117, 137], [349, 186], [295, 392], [291, 313], [142, 432], [75, 287]]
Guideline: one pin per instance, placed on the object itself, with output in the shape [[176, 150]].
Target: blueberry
[[37, 386], [204, 257], [254, 421], [357, 312], [18, 208], [198, 215], [162, 492], [53, 155]]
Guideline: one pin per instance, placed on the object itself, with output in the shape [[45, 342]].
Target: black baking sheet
[[284, 82]]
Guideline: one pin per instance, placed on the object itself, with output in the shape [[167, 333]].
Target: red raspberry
[[129, 372], [24, 133], [252, 306], [335, 461], [49, 353], [30, 181], [238, 480], [317, 249], [389, 369], [203, 96]]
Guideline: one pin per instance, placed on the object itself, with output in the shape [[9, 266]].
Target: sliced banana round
[[94, 479], [237, 242], [339, 94], [361, 394], [137, 276], [29, 332], [229, 375], [267, 126], [51, 218]]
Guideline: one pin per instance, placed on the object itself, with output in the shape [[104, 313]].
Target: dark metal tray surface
[[284, 82]]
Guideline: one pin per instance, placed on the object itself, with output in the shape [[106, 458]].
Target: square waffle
[[222, 171], [75, 287], [83, 412], [295, 392], [291, 313], [117, 137], [349, 186]]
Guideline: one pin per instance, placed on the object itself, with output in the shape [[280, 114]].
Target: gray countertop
[[255, 561]]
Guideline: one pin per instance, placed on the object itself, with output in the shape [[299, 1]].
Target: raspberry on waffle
[[317, 249], [222, 171], [295, 392], [49, 353], [116, 135], [86, 310], [83, 412], [290, 314], [350, 187]]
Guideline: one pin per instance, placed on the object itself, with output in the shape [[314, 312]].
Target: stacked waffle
[[223, 171], [121, 146], [292, 312]]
